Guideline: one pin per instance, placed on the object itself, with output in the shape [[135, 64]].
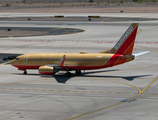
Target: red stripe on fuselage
[[24, 67], [113, 59]]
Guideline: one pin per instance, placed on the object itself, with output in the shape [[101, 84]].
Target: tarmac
[[127, 91]]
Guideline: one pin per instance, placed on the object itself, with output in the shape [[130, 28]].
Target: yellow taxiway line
[[4, 63], [95, 111], [140, 30], [149, 84], [140, 92], [144, 89]]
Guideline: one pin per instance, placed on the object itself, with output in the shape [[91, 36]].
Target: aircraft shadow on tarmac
[[129, 78], [61, 78]]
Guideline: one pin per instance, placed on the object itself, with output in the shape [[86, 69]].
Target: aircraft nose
[[12, 62]]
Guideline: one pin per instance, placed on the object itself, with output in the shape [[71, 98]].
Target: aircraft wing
[[60, 64], [141, 53]]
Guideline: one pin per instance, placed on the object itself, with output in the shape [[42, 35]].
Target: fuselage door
[[25, 59], [107, 58]]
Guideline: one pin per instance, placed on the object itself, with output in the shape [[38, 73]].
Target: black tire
[[25, 72], [78, 72]]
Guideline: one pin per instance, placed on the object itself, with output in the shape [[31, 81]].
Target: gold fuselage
[[73, 59]]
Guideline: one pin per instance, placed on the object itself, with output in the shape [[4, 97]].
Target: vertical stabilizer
[[125, 44]]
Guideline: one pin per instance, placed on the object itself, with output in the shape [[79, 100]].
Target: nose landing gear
[[25, 72]]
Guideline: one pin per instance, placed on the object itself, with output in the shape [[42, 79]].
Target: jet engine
[[46, 70]]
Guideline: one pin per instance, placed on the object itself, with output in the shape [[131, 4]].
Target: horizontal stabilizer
[[137, 54]]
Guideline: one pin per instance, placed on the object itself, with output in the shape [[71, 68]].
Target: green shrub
[[135, 0], [91, 0], [139, 1], [146, 1], [7, 5], [113, 1], [153, 1]]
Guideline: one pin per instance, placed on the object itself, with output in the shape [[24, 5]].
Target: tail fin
[[125, 45]]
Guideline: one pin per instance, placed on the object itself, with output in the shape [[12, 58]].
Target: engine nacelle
[[46, 70]]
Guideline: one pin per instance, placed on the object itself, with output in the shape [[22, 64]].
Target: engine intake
[[46, 70]]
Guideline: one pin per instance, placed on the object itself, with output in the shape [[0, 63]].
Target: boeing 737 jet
[[51, 63]]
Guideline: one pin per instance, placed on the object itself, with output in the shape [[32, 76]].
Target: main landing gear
[[78, 72], [68, 74], [25, 72]]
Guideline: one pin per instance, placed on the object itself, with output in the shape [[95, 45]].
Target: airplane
[[51, 63]]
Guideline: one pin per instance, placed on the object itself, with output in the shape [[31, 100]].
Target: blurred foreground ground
[[84, 10], [79, 7]]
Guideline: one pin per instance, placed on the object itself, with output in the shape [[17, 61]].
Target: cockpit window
[[16, 58]]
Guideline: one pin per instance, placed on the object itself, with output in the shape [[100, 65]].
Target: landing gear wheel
[[53, 74], [68, 74], [25, 72], [78, 72]]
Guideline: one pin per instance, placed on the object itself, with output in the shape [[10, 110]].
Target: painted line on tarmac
[[10, 37], [153, 49], [68, 91], [29, 81], [94, 41], [59, 90], [137, 68], [5, 63], [107, 106], [95, 111], [54, 30], [127, 70], [149, 84], [144, 89], [140, 30], [57, 28], [137, 42], [140, 92]]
